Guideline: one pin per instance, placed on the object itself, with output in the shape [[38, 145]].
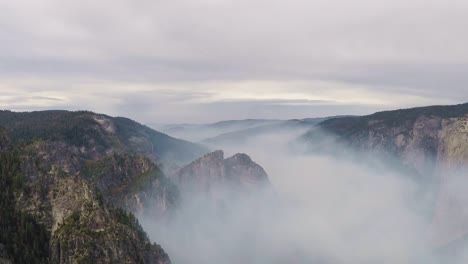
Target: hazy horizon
[[389, 188], [204, 61]]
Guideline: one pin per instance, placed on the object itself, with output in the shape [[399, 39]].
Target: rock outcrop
[[78, 178], [66, 199], [134, 183], [433, 141], [423, 138], [202, 175], [212, 174], [241, 171]]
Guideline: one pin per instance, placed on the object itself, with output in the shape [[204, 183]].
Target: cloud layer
[[109, 56]]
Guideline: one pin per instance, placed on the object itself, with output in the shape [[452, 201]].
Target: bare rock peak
[[212, 171]]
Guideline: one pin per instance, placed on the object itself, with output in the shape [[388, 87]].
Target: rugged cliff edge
[[423, 138], [433, 141], [213, 175], [70, 181]]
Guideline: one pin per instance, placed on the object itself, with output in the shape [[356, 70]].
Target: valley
[[88, 179]]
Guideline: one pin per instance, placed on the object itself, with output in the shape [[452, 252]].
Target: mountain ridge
[[77, 171], [84, 177], [432, 140]]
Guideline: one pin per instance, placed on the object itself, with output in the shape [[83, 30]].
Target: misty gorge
[[378, 192], [381, 188], [233, 131]]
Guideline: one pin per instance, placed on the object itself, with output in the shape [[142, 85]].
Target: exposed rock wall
[[243, 172], [434, 145], [84, 227], [212, 174]]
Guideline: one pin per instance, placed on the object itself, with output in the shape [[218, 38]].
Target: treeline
[[25, 240], [129, 219], [73, 127]]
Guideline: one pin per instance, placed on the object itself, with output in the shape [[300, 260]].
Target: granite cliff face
[[423, 138], [202, 175], [72, 182], [244, 173], [134, 183], [75, 178], [53, 214], [212, 174], [452, 151], [433, 141]]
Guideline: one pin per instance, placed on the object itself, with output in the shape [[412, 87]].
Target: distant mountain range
[[72, 182], [234, 130], [430, 141]]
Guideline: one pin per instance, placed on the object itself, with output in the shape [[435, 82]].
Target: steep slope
[[74, 171], [417, 136], [104, 133], [67, 218], [431, 140], [123, 158], [80, 176]]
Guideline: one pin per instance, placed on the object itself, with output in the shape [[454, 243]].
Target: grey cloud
[[433, 80], [412, 47], [16, 99], [45, 98]]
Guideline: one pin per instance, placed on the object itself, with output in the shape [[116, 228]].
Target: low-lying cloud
[[328, 209]]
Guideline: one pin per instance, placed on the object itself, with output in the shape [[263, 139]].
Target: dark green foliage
[[78, 238], [26, 240], [167, 147], [77, 128], [23, 237], [144, 182], [349, 125], [127, 218], [81, 129], [409, 115], [99, 196], [119, 174], [350, 130]]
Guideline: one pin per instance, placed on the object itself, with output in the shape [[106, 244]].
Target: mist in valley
[[234, 132], [323, 208]]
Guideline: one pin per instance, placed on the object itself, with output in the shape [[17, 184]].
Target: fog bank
[[328, 209]]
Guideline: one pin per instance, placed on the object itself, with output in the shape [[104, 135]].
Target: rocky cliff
[[433, 141], [71, 180], [214, 175], [78, 222], [423, 138], [243, 172], [96, 132]]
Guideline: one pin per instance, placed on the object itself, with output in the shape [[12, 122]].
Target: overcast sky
[[208, 60]]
